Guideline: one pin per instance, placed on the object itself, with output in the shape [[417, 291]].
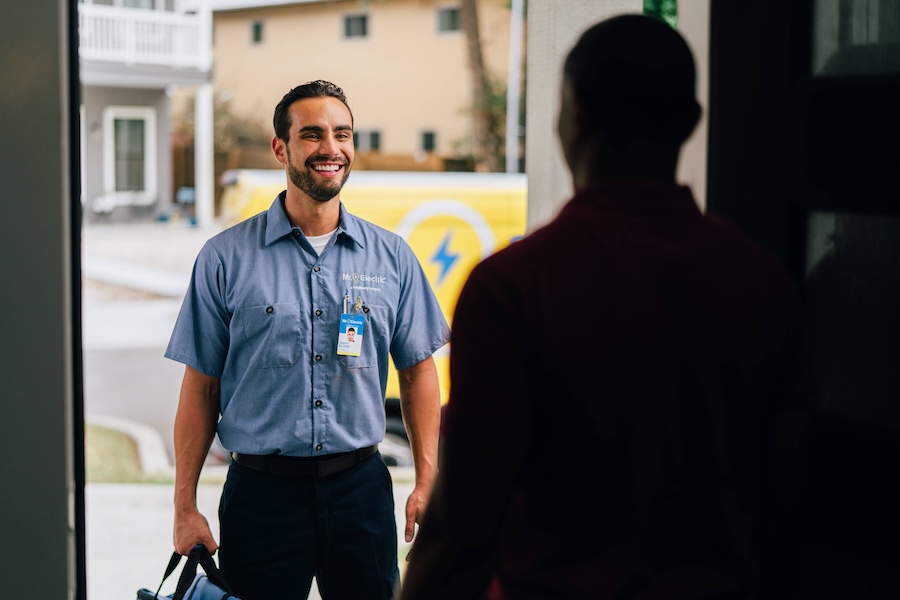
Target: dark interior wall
[[41, 514], [752, 68], [803, 157]]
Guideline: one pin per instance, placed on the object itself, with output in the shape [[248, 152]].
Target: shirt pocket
[[373, 336], [272, 333]]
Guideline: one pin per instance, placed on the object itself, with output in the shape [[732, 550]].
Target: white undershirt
[[318, 242]]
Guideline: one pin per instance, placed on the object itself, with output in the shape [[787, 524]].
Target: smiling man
[[301, 414]]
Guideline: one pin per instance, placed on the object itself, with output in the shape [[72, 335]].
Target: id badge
[[350, 335]]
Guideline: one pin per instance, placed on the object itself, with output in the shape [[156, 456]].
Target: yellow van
[[450, 220]]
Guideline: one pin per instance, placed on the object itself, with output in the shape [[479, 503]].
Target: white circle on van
[[455, 208]]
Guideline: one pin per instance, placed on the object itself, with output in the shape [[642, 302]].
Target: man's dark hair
[[311, 89], [349, 329], [635, 78]]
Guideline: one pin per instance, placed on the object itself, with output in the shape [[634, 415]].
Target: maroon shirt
[[635, 460]]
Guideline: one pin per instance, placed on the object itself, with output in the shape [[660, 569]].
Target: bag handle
[[170, 568], [212, 570], [199, 556]]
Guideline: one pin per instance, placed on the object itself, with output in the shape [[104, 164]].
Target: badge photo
[[350, 335]]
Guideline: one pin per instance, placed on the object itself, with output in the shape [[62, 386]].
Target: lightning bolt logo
[[444, 258]]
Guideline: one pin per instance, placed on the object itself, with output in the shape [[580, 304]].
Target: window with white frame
[[129, 150], [356, 26], [448, 19]]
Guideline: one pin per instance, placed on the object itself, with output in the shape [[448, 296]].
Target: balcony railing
[[134, 36]]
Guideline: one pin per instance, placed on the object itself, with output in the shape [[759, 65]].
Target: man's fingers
[[410, 528]]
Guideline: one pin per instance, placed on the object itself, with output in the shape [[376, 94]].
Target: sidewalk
[[129, 534], [153, 257], [134, 278]]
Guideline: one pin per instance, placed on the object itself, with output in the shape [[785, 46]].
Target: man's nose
[[328, 146]]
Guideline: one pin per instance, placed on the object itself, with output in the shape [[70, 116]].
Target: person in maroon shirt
[[635, 468]]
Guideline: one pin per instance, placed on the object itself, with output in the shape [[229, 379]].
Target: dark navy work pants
[[276, 534]]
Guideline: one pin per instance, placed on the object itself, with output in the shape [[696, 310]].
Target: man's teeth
[[326, 167]]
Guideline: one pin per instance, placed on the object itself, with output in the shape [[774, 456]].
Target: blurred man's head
[[629, 79]]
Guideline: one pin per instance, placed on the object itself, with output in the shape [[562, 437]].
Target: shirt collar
[[645, 198], [349, 226], [278, 225]]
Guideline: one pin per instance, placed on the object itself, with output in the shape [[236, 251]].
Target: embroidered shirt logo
[[363, 281]]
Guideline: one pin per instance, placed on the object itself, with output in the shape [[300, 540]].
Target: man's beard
[[320, 192]]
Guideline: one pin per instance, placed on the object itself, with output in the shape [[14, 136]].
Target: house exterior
[[134, 55], [404, 65]]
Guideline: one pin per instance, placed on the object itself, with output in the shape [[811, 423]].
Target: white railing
[[134, 36]]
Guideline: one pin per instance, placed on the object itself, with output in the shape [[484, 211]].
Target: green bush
[[111, 456]]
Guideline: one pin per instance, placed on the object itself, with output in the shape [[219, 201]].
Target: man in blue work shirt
[[303, 415]]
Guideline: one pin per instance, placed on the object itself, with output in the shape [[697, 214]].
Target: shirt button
[[316, 269], [318, 357], [269, 310], [296, 233], [318, 313], [318, 403], [318, 447]]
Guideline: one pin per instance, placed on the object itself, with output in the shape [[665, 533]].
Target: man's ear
[[279, 149], [577, 114], [571, 119], [582, 131]]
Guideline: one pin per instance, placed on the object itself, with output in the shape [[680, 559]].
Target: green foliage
[[110, 457], [230, 130], [493, 105], [667, 10]]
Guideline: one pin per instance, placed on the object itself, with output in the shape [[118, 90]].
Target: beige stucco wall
[[402, 79], [553, 29]]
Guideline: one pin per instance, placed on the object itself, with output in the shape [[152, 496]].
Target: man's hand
[[192, 528], [415, 509], [420, 403], [195, 428]]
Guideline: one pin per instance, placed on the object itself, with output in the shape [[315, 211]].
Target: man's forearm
[[420, 403], [195, 428]]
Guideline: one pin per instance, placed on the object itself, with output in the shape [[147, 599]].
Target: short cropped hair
[[635, 78], [311, 89]]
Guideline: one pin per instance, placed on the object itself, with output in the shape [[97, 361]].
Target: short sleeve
[[200, 338], [421, 328]]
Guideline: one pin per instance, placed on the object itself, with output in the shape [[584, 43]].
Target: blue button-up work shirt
[[263, 312]]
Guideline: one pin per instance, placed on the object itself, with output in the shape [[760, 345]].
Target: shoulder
[[370, 231], [742, 246], [748, 266], [239, 236], [229, 247], [379, 243], [504, 272], [526, 254]]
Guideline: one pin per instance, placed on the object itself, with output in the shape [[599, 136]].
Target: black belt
[[304, 466]]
